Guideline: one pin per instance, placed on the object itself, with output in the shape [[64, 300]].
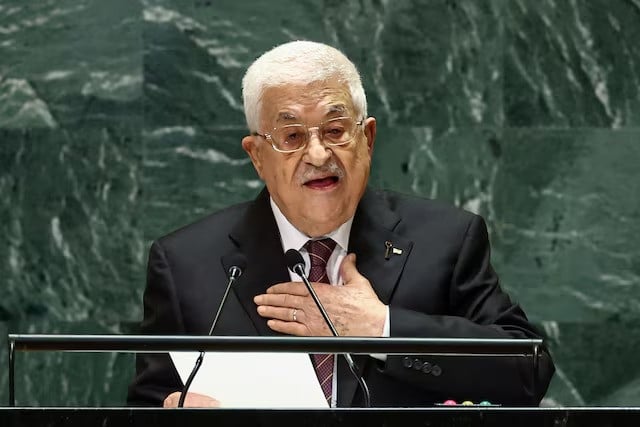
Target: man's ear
[[250, 144], [370, 132]]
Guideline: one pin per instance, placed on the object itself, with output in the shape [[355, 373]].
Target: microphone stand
[[299, 270], [234, 273]]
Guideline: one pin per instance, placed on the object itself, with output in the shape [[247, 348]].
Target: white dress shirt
[[292, 238]]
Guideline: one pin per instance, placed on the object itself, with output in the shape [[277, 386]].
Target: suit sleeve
[[156, 376], [479, 309]]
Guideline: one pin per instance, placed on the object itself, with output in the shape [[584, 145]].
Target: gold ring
[[293, 315]]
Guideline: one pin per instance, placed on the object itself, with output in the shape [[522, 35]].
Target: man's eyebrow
[[337, 108], [285, 116]]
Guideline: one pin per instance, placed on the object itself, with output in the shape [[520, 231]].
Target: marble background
[[122, 120]]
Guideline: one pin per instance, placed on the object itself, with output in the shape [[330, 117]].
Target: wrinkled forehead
[[330, 110], [320, 100]]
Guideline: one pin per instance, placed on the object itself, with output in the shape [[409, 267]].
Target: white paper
[[254, 380]]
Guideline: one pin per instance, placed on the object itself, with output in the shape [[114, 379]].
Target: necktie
[[319, 253]]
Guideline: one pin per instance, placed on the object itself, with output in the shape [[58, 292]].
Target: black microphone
[[296, 263], [238, 263]]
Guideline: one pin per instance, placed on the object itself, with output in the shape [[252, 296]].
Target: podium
[[369, 417], [525, 348], [346, 417]]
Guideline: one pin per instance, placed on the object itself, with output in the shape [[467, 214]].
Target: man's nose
[[317, 153]]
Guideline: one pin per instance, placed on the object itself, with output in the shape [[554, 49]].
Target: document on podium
[[254, 380]]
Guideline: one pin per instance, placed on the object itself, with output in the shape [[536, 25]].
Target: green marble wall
[[122, 120]]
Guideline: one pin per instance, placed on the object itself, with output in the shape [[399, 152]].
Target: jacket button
[[426, 367], [407, 362], [417, 364], [436, 370]]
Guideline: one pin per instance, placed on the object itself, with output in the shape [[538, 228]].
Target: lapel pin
[[389, 250]]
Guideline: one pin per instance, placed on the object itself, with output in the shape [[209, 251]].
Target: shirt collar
[[292, 238]]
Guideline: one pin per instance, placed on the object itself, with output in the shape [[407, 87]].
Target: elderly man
[[382, 264]]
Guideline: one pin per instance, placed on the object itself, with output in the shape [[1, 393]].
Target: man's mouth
[[322, 183]]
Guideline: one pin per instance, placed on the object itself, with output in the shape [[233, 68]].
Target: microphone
[[296, 263], [238, 264]]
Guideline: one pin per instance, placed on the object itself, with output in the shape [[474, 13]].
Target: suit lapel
[[373, 225], [257, 237]]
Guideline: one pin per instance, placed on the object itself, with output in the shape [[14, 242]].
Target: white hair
[[303, 63]]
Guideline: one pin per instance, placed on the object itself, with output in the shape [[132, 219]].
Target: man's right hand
[[193, 400]]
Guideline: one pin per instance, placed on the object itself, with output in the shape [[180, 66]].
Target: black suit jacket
[[442, 285]]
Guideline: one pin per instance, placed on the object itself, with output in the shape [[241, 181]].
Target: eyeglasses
[[292, 138]]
